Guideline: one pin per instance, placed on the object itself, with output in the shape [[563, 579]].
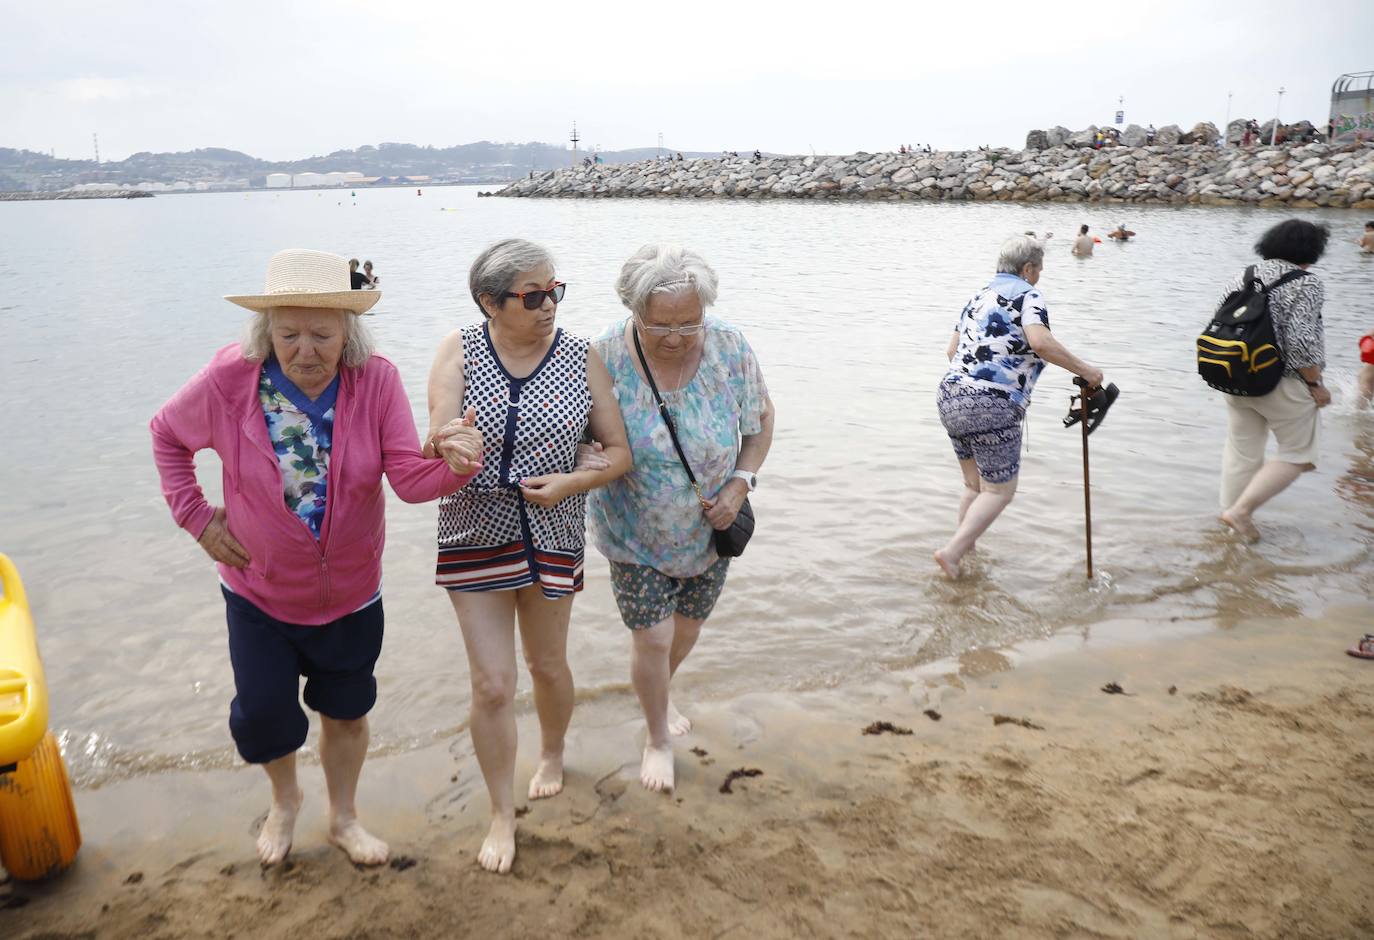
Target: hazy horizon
[[285, 81]]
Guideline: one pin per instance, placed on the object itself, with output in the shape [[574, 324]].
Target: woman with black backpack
[[1294, 299]]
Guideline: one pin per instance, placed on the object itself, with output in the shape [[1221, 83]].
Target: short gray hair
[[358, 343], [495, 270], [665, 269], [1019, 251]]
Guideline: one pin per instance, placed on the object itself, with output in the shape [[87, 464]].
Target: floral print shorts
[[647, 596]]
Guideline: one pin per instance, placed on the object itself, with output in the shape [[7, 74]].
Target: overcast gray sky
[[289, 79]]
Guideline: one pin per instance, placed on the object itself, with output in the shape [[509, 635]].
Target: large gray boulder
[[1084, 138], [1133, 136], [1235, 131], [1204, 132], [1301, 132], [1058, 135], [1037, 140], [1168, 134]]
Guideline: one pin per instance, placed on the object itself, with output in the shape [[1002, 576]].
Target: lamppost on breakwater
[[1226, 128], [1274, 134], [574, 138], [658, 155]]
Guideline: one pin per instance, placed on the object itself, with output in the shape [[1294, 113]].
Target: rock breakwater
[[1298, 176]]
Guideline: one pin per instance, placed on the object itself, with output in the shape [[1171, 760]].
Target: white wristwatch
[[750, 479]]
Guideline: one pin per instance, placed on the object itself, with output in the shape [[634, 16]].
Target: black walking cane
[[1093, 403]]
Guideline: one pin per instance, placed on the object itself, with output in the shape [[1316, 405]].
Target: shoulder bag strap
[[663, 410]]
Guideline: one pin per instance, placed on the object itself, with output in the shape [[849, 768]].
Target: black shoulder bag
[[730, 542]]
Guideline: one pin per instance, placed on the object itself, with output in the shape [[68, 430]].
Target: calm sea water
[[109, 306]]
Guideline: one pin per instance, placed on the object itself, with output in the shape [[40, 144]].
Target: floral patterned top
[[301, 432], [651, 516], [993, 354]]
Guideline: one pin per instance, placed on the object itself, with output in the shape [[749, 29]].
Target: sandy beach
[[1229, 792]]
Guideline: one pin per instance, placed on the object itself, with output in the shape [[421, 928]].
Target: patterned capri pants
[[984, 427]]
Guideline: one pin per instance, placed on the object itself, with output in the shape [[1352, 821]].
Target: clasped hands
[[459, 443]]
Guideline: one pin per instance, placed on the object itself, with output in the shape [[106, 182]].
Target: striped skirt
[[507, 567]]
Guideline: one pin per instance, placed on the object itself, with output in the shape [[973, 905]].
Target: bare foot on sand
[[498, 848], [678, 723], [656, 771], [1241, 525], [361, 846], [951, 569], [274, 841], [548, 778]]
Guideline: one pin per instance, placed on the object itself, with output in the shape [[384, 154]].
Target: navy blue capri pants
[[269, 657]]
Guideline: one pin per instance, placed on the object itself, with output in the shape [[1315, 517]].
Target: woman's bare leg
[[982, 511], [343, 748], [544, 638], [274, 841], [650, 673], [1271, 480], [487, 619], [685, 634]]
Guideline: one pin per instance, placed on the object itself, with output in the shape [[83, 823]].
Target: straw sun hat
[[299, 277]]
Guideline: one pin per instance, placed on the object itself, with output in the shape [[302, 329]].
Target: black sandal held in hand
[[1098, 403]]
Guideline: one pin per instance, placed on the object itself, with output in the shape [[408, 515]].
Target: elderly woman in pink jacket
[[306, 419]]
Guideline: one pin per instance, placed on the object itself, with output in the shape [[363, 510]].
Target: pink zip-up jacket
[[292, 577]]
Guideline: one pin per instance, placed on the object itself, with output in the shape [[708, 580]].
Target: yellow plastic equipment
[[39, 835], [23, 693]]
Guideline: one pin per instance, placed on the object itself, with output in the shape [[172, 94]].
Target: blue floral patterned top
[[993, 353], [301, 432], [651, 516]]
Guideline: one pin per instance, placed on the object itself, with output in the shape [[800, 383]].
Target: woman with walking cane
[[997, 352]]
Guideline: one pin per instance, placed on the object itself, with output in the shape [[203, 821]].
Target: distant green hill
[[483, 161]]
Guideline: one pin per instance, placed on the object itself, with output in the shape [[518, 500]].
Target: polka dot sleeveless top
[[530, 427]]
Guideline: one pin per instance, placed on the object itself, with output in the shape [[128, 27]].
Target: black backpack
[[1238, 352]]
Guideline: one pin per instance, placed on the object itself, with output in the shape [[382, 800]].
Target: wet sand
[[1228, 793]]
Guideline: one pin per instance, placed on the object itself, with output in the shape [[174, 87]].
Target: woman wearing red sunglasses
[[511, 550]]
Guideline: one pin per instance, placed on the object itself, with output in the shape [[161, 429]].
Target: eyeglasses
[[691, 329], [534, 299]]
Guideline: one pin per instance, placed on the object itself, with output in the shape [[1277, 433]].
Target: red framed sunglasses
[[534, 299]]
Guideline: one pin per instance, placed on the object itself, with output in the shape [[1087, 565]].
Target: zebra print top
[[1296, 310]]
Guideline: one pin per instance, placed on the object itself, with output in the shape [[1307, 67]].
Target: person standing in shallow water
[[998, 350], [650, 524], [511, 543], [305, 420], [1083, 244], [1291, 411]]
